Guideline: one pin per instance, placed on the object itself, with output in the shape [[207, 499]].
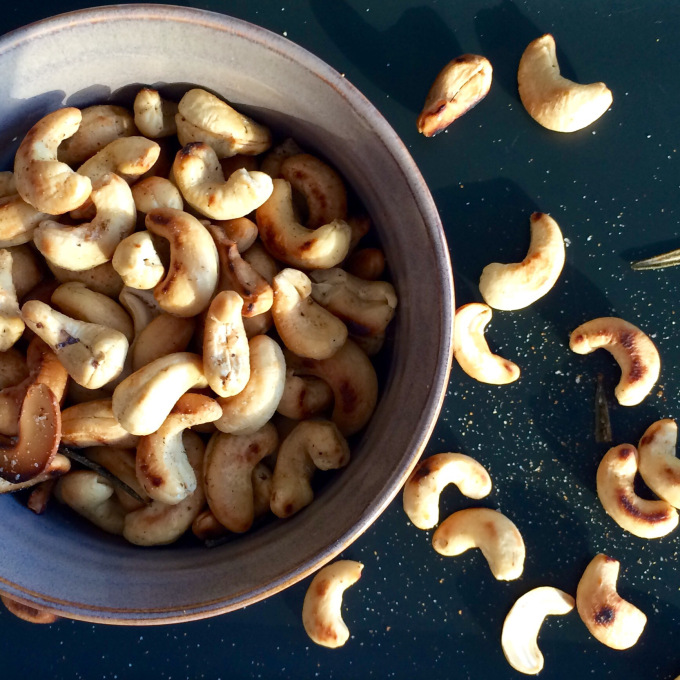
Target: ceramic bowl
[[58, 562]]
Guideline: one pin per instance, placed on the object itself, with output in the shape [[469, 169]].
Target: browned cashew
[[8, 186], [304, 397], [92, 423], [163, 335], [13, 368], [27, 612], [313, 444], [127, 157], [261, 261], [242, 231], [191, 279], [18, 221], [11, 324], [154, 116], [367, 263], [657, 462], [271, 163], [460, 86], [41, 180], [103, 278], [121, 463], [59, 466], [27, 269], [228, 472]]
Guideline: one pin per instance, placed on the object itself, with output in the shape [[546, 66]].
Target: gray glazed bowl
[[58, 562]]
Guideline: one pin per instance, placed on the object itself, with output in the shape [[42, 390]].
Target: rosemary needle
[[603, 426], [669, 259]]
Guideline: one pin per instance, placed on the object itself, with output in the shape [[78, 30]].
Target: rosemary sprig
[[603, 426], [669, 259]]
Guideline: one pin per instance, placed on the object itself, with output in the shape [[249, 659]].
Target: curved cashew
[[312, 444], [304, 397], [262, 262], [431, 475], [472, 351], [550, 99], [103, 278], [230, 462], [490, 531], [657, 462], [13, 369], [27, 270], [287, 240], [128, 157], [615, 480], [354, 382], [360, 225], [11, 324], [93, 497], [321, 615], [92, 354], [523, 623], [460, 86], [191, 278], [163, 335], [258, 325], [247, 411], [92, 423], [633, 350], [271, 163], [141, 306], [41, 180], [610, 619], [305, 327], [142, 402], [199, 176], [100, 125], [517, 285], [18, 221], [27, 612], [121, 463], [204, 117], [162, 464], [226, 355], [92, 243], [59, 466], [137, 261], [159, 523], [367, 264], [154, 116], [322, 187], [156, 192], [242, 231]]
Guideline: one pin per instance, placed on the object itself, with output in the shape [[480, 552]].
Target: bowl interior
[[56, 561]]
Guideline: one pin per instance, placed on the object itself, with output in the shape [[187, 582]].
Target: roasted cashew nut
[[137, 261], [523, 623], [141, 305], [304, 326], [304, 397], [156, 192], [8, 186], [633, 350], [103, 278], [59, 466], [472, 351], [610, 619], [615, 488], [11, 324], [92, 423], [199, 177], [550, 99], [431, 475], [657, 463], [321, 610], [460, 86], [230, 462], [271, 163], [289, 241], [154, 116], [27, 612], [490, 531], [242, 231], [121, 463], [128, 157], [165, 334], [27, 269], [517, 285], [41, 180], [313, 444], [367, 264], [18, 221], [13, 368]]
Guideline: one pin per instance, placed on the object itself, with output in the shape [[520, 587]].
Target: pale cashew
[[93, 243], [206, 527], [304, 397], [230, 462], [142, 402], [490, 531], [159, 523], [141, 306], [18, 221], [154, 116], [460, 86], [163, 468], [103, 278], [99, 126], [271, 163], [226, 355], [615, 480], [289, 241], [261, 261], [8, 186], [121, 463], [633, 350], [354, 382], [360, 225], [79, 302], [431, 475], [367, 263], [13, 368], [258, 325], [128, 157], [93, 497], [523, 623], [313, 444], [27, 270], [610, 619], [191, 278], [550, 99], [41, 180], [242, 231], [163, 335], [92, 354], [247, 411], [156, 192], [11, 324], [304, 326], [322, 187], [138, 262], [92, 423], [517, 285], [321, 610], [472, 351], [59, 466], [204, 117], [657, 463]]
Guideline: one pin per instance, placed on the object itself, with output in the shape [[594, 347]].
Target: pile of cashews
[[185, 304]]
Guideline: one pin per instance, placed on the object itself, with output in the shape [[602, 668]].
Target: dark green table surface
[[614, 189]]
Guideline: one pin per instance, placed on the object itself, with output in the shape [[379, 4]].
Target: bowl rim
[[422, 198]]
